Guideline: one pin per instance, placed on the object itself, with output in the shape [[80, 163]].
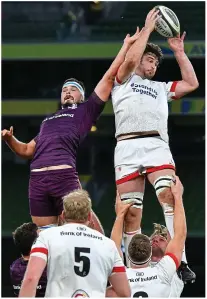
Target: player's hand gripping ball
[[168, 25]]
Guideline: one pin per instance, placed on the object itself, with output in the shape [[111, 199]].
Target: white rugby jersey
[[79, 260], [141, 105], [177, 285], [152, 281]]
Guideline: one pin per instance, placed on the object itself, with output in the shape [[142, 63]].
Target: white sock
[[169, 223], [127, 239]]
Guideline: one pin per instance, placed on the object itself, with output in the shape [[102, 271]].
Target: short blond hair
[[77, 205]]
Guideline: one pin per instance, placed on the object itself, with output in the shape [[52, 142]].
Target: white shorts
[[139, 156]]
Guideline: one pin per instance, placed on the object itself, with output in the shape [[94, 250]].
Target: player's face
[[159, 245], [148, 65], [70, 95]]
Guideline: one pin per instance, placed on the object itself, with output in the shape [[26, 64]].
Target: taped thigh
[[163, 182], [133, 197]]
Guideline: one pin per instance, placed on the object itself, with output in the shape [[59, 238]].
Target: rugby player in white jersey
[[145, 280], [79, 259], [141, 114], [159, 241]]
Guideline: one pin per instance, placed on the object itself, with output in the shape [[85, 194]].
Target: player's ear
[[89, 217], [62, 216]]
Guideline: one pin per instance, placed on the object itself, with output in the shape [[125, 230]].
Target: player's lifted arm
[[24, 150], [189, 80], [134, 55], [177, 243], [117, 230], [104, 87]]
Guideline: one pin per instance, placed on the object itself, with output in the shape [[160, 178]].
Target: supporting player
[[141, 114], [147, 281], [159, 241], [80, 260], [53, 152], [24, 237]]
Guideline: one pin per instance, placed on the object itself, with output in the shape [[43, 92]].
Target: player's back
[[80, 260], [152, 281], [17, 271]]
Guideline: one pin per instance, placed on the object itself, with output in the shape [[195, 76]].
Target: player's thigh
[[62, 182], [42, 209], [133, 189], [134, 185], [161, 180]]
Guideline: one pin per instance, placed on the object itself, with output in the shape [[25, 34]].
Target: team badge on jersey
[[79, 293]]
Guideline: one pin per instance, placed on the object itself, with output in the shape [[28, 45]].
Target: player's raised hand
[[121, 208], [151, 19], [177, 188], [176, 44], [7, 134], [129, 40]]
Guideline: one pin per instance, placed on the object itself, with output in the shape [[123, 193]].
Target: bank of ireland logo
[[79, 293]]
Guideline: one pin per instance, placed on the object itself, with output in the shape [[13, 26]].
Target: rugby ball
[[168, 25]]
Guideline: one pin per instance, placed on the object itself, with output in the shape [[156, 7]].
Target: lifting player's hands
[[177, 188], [121, 208], [151, 19], [7, 134], [129, 40], [176, 44]]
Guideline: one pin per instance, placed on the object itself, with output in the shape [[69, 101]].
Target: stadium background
[[44, 43]]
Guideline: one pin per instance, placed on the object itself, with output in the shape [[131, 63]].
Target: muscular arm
[[24, 150], [33, 273], [177, 243], [189, 80], [105, 85], [117, 232], [133, 56]]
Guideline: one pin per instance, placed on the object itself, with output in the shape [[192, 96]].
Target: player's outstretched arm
[[24, 150], [189, 80], [134, 55], [177, 243], [117, 230], [32, 276], [105, 85]]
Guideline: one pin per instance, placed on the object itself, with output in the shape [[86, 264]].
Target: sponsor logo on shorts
[[79, 293]]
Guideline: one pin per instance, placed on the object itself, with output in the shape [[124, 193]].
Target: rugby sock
[[127, 239], [169, 223]]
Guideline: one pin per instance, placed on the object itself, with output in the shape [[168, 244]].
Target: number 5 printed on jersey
[[84, 261]]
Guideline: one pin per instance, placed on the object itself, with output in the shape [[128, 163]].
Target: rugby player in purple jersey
[[24, 237], [53, 151]]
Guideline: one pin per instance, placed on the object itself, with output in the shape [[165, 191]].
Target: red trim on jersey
[[172, 89], [174, 259], [39, 249], [128, 177], [135, 174], [161, 167], [173, 86], [119, 269], [117, 79]]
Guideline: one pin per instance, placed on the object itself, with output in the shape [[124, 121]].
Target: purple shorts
[[47, 188]]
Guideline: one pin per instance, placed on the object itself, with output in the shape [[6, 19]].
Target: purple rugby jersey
[[17, 271], [61, 133]]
